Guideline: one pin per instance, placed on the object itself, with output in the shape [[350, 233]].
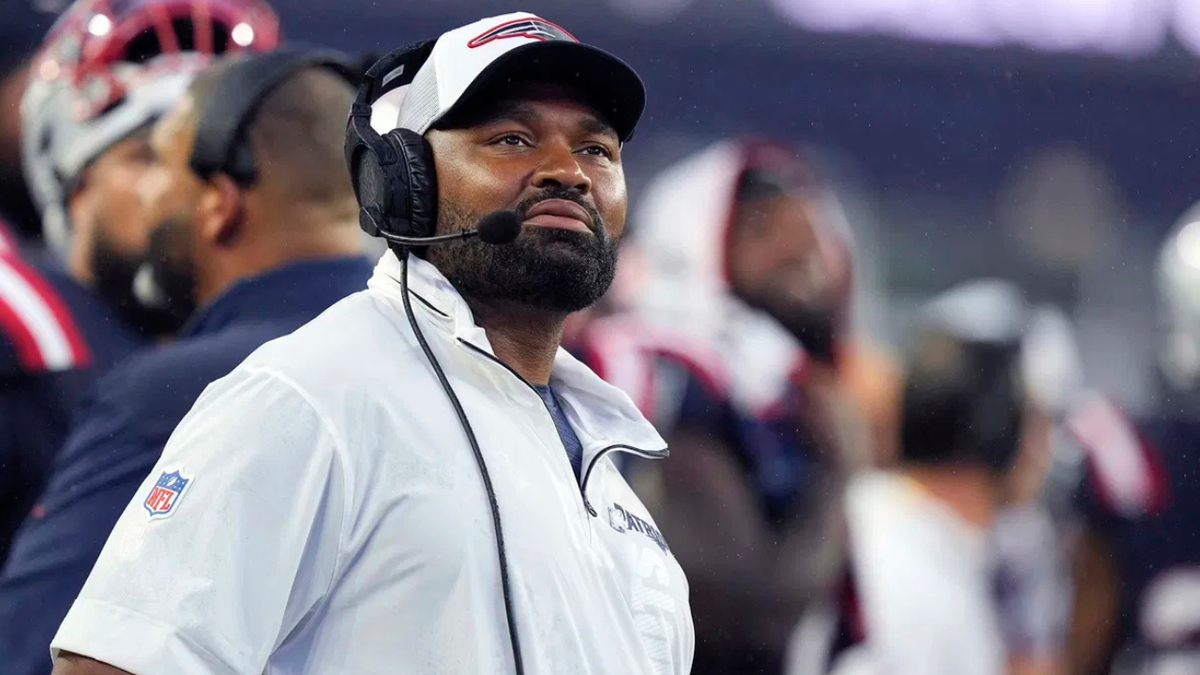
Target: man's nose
[[559, 167]]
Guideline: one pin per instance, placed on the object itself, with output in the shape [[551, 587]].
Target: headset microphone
[[499, 227], [496, 228]]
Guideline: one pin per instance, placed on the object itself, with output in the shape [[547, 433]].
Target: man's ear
[[220, 212]]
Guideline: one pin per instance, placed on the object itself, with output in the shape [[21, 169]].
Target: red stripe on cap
[[496, 33]]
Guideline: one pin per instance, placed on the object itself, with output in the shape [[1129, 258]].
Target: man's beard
[[113, 273], [167, 283], [544, 268]]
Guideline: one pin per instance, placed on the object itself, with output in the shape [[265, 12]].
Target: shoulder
[[355, 340], [352, 364], [38, 332], [1123, 459], [658, 368]]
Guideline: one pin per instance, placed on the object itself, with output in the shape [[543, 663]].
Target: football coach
[[421, 480]]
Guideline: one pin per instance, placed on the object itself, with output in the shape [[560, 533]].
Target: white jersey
[[320, 511], [921, 586]]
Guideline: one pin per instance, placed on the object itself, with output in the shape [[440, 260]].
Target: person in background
[[733, 342], [917, 595], [246, 261], [1029, 541], [100, 77], [1136, 557]]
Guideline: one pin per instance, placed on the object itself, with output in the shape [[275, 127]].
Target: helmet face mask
[[110, 67]]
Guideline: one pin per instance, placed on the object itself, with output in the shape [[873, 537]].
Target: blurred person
[[420, 480], [21, 30], [1029, 541], [246, 258], [917, 596], [733, 343], [103, 73], [45, 363], [1136, 563]]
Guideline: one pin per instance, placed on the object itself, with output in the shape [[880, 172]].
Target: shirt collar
[[600, 414], [281, 292]]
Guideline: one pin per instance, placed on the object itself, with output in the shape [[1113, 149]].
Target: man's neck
[[968, 491], [523, 338], [267, 253]]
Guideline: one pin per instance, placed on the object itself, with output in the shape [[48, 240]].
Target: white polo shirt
[[923, 585], [320, 511]]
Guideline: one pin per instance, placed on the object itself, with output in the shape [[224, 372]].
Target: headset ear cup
[[371, 186], [419, 202]]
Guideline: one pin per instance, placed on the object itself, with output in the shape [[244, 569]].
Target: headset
[[221, 145], [395, 182]]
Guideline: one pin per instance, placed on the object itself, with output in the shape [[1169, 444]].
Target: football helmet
[[110, 67]]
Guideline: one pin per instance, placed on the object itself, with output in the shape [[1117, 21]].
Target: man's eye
[[513, 140], [598, 151]]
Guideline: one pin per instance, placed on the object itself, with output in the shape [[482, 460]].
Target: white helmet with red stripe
[[108, 68]]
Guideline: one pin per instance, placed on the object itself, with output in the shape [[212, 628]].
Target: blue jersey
[[120, 433], [1139, 494], [55, 336]]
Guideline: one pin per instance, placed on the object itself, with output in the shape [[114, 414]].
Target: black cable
[[487, 481]]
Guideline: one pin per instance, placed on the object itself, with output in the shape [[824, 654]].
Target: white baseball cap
[[482, 57]]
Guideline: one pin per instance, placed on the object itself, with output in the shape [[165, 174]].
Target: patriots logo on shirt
[[621, 520], [166, 493], [535, 29]]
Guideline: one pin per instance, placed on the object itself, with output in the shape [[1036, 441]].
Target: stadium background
[[1045, 142], [1048, 142]]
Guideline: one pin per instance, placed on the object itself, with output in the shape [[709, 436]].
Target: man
[[1136, 564], [328, 509], [734, 345], [917, 596], [259, 260], [44, 362], [101, 75]]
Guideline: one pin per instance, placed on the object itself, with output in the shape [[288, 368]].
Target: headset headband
[[220, 144], [395, 69]]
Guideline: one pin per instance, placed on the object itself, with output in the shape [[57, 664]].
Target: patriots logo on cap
[[532, 28], [166, 493]]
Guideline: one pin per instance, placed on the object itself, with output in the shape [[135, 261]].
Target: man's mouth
[[561, 214]]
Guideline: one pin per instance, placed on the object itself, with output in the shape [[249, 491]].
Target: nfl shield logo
[[166, 493]]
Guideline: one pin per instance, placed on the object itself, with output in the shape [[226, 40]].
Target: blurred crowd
[[958, 498]]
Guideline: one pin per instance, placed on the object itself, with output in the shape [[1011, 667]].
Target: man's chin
[[554, 270]]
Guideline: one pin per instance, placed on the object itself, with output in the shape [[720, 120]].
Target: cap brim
[[608, 83]]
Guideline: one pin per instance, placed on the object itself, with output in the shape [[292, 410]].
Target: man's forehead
[[527, 101]]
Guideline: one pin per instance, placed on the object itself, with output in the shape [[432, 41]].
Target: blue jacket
[[55, 337], [120, 433]]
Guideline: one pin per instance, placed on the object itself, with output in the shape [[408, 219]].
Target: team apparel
[[120, 432], [1138, 494], [917, 599], [327, 515], [55, 338]]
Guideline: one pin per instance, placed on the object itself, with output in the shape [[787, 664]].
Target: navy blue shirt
[[775, 454], [569, 440], [121, 432], [55, 338]]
